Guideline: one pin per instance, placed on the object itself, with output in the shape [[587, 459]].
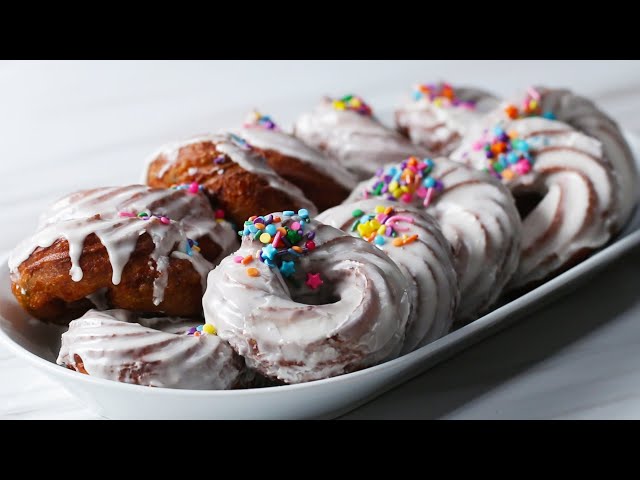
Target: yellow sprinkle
[[363, 230], [397, 193], [210, 329], [404, 189], [375, 224], [438, 102], [533, 104], [382, 230], [338, 105], [393, 185], [380, 209], [253, 272], [265, 237], [355, 102], [196, 248]]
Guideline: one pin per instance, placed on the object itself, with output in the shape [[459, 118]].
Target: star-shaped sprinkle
[[269, 252], [287, 268], [313, 280]]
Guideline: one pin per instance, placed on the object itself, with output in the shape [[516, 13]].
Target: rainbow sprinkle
[[191, 246], [192, 188], [145, 215], [256, 119], [507, 154], [283, 240], [409, 181], [200, 330], [382, 225], [530, 107], [353, 103], [240, 142], [441, 95]]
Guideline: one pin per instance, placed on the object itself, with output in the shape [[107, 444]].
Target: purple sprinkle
[[379, 172], [258, 220], [388, 231], [219, 160], [385, 189], [268, 219], [311, 235], [391, 197], [191, 331]]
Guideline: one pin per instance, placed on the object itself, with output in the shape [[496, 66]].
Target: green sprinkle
[[357, 213]]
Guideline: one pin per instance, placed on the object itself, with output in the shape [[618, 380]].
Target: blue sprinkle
[[429, 182], [549, 114], [288, 213], [199, 328], [271, 229], [379, 240], [512, 158], [303, 212]]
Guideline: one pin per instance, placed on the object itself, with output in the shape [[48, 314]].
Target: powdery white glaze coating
[[157, 352], [478, 217], [427, 263], [578, 210], [286, 144], [359, 142], [239, 153], [438, 123], [100, 212], [288, 330]]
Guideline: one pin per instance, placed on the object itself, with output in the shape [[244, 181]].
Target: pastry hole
[[526, 202], [326, 294]]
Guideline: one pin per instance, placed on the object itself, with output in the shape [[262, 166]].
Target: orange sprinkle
[[277, 219], [197, 334], [413, 161], [282, 230], [388, 210], [253, 272], [411, 239], [398, 242], [511, 111], [498, 147], [252, 218], [259, 226], [512, 134], [507, 174], [297, 249], [247, 260]]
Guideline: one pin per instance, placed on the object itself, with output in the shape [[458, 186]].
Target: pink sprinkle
[[477, 145], [381, 217], [165, 220], [533, 93], [127, 214], [421, 192], [427, 198], [238, 258], [194, 188], [523, 167], [399, 218], [276, 239], [406, 197], [295, 226], [366, 194]]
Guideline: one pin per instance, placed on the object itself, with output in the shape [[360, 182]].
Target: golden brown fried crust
[[322, 190], [45, 289], [238, 192]]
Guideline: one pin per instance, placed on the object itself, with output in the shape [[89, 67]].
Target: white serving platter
[[37, 344]]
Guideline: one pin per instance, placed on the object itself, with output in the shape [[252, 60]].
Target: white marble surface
[[67, 125]]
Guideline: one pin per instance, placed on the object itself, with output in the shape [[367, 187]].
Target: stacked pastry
[[467, 199]]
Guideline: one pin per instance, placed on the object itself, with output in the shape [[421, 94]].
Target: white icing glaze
[[578, 212], [583, 115], [248, 159], [359, 142], [440, 128], [427, 264], [116, 345], [305, 337], [478, 217], [98, 212], [288, 145]]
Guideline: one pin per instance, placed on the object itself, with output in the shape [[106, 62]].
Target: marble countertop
[[69, 125]]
